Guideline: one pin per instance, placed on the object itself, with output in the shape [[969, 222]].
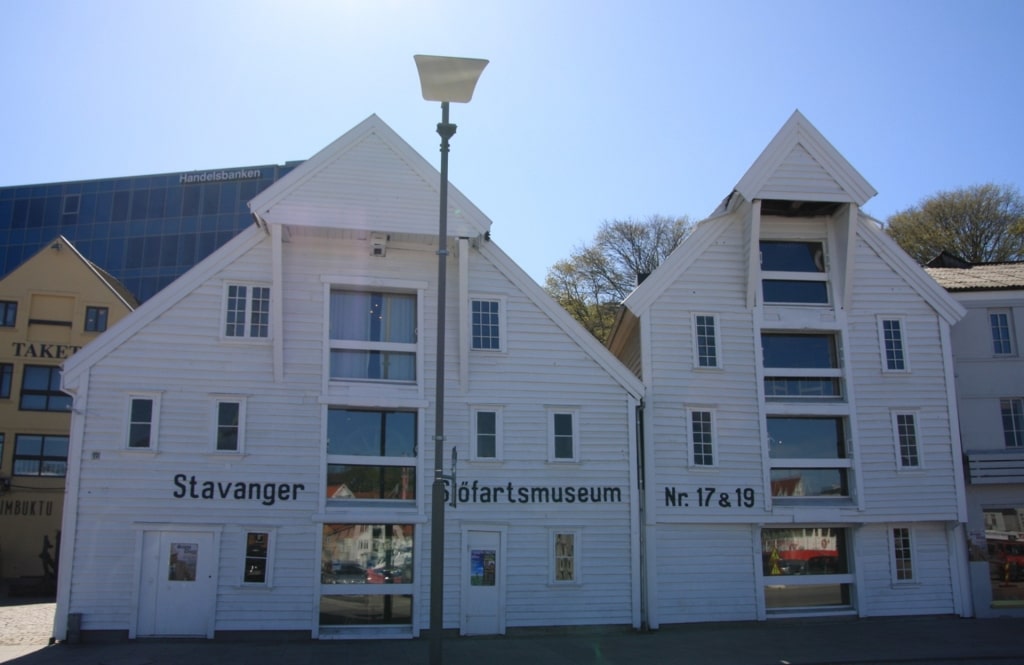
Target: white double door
[[178, 585]]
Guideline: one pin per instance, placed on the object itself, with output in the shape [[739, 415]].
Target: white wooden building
[[990, 396], [801, 452], [249, 449]]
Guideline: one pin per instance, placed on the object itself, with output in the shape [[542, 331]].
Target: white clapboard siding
[[928, 593]]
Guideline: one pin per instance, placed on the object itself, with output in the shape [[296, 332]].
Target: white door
[[178, 586], [483, 585]]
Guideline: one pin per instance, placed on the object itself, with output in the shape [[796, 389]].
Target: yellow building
[[50, 307]]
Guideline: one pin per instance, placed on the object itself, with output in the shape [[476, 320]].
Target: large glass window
[[793, 272], [371, 454], [40, 455], [1004, 550], [40, 389], [801, 365], [373, 335], [808, 456], [366, 574], [805, 568]]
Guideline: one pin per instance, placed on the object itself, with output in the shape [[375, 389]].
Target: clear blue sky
[[589, 110]]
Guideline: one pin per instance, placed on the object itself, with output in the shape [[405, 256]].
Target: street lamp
[[444, 80]]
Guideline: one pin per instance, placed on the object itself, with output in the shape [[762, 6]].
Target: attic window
[[783, 208]]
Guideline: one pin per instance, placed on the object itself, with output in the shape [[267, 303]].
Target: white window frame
[[373, 461], [271, 533], [716, 358], [1010, 341], [226, 399], [553, 556], [502, 327], [897, 433], [911, 554], [154, 422], [1016, 414], [692, 457], [246, 335], [552, 411], [796, 276], [796, 373], [904, 356], [369, 286], [498, 427]]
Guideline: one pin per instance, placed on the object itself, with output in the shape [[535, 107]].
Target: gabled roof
[[102, 276], [369, 179], [800, 164]]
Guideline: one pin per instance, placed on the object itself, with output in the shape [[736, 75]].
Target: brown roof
[[986, 276]]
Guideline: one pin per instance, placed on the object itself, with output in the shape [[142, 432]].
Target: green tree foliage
[[980, 224], [598, 276]]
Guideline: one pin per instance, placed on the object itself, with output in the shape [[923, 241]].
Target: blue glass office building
[[144, 230]]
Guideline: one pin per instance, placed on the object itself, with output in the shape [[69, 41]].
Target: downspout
[[642, 514]]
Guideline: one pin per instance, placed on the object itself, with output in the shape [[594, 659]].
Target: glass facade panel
[[807, 483], [365, 610], [804, 551], [795, 291], [369, 554], [1004, 551], [371, 433], [792, 256], [806, 437], [799, 350], [358, 481]]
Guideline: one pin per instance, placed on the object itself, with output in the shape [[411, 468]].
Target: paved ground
[[25, 635]]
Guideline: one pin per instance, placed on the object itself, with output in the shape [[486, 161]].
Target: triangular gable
[[105, 278], [164, 299], [800, 164], [369, 179]]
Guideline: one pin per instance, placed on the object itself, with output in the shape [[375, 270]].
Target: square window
[[373, 335], [40, 455], [793, 272], [40, 389], [485, 320], [96, 319]]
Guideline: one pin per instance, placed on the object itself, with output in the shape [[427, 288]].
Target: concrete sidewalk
[[932, 640]]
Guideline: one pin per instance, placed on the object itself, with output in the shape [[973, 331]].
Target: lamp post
[[444, 80]]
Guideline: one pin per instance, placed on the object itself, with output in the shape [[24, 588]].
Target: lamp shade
[[445, 79]]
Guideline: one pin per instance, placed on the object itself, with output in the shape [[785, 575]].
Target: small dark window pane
[[806, 438], [350, 481], [795, 291], [96, 319], [563, 436], [799, 350], [486, 434]]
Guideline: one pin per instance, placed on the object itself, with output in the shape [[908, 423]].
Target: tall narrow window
[[701, 438], [373, 335], [6, 377], [1013, 421], [486, 433], [903, 565], [892, 345], [247, 311], [565, 568], [141, 423], [707, 344], [563, 438], [229, 425], [1002, 333], [486, 323], [96, 319], [40, 389], [906, 434], [8, 313], [256, 557]]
